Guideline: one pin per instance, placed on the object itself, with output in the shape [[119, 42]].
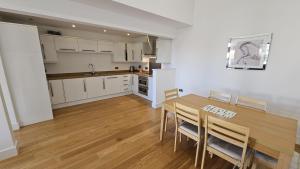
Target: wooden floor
[[117, 133]]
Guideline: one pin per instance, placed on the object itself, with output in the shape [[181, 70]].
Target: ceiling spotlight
[[104, 30], [128, 34], [73, 26]]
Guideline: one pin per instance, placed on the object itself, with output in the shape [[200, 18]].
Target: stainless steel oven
[[143, 85]]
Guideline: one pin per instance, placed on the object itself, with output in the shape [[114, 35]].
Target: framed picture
[[249, 52]]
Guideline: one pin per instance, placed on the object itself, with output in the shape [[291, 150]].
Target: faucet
[[92, 68]]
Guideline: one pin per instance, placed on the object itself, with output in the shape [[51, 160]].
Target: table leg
[[284, 161], [162, 122]]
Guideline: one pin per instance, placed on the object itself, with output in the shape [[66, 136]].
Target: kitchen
[[84, 64]]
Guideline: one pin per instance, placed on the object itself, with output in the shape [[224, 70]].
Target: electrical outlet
[[116, 68]]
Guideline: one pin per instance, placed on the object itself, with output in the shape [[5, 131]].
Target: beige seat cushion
[[190, 128], [226, 148]]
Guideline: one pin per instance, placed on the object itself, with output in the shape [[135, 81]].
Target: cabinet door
[[75, 89], [163, 51], [130, 52], [66, 44], [135, 84], [56, 90], [95, 87], [90, 46], [48, 49], [138, 52], [113, 84], [119, 54], [105, 46]]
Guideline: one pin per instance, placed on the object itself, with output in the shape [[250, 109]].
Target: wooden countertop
[[88, 74]]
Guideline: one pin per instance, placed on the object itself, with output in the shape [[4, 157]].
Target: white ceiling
[[12, 17]]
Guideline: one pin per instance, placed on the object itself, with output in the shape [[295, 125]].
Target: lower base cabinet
[[95, 87], [56, 91], [75, 89], [70, 90]]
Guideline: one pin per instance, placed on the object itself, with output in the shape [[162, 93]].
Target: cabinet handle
[[67, 49], [132, 52], [126, 57], [84, 87], [103, 81], [114, 77], [51, 89], [141, 55], [43, 51], [87, 50]]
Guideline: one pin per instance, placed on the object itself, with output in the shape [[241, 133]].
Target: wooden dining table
[[269, 133]]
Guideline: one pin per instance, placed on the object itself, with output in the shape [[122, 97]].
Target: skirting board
[[15, 126], [57, 106], [9, 152]]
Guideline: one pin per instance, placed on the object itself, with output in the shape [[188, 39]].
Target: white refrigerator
[[22, 62]]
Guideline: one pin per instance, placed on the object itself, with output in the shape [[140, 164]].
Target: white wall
[[180, 10], [78, 62], [199, 52], [8, 146], [23, 64]]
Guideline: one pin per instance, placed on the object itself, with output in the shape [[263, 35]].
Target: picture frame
[[249, 52]]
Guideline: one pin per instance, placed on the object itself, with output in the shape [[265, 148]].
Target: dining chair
[[226, 140], [259, 159], [188, 123], [170, 94], [251, 103], [220, 96]]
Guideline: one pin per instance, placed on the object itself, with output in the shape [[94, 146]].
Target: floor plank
[[118, 133]]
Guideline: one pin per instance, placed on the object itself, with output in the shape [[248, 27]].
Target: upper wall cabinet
[[48, 49], [120, 54], [163, 50], [89, 46], [66, 44], [138, 52], [105, 46]]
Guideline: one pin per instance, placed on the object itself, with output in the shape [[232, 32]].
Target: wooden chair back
[[220, 96], [171, 94], [251, 103], [228, 132], [187, 114]]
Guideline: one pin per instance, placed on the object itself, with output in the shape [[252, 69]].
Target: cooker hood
[[149, 46]]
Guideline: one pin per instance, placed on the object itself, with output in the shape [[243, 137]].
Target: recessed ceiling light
[[128, 34], [104, 30], [73, 26]]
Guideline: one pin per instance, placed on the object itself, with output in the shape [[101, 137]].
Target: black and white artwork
[[249, 52]]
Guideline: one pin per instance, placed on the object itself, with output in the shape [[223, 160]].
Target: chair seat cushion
[[190, 128], [226, 148]]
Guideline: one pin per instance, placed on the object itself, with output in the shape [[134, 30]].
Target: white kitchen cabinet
[[75, 89], [105, 46], [89, 46], [48, 49], [95, 87], [163, 50], [56, 91], [138, 52], [113, 84], [119, 52], [135, 84], [130, 52], [150, 88], [126, 83], [66, 44]]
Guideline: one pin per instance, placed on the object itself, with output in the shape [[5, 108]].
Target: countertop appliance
[[153, 65], [131, 69], [143, 85]]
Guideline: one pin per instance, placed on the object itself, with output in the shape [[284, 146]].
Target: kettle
[[131, 69]]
